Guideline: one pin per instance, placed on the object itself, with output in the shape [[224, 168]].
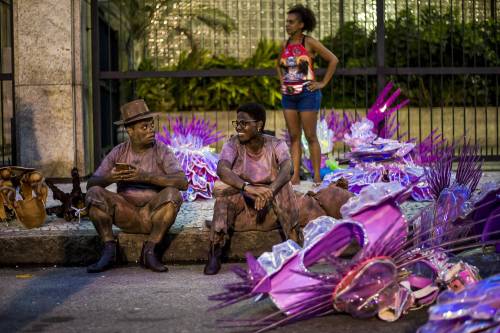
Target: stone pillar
[[52, 114]]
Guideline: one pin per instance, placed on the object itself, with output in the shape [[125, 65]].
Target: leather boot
[[107, 260], [149, 259], [214, 260]]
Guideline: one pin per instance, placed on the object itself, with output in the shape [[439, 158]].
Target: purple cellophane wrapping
[[387, 277], [379, 160], [190, 140], [474, 309]]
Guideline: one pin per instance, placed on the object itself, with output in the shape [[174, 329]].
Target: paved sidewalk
[[131, 299]]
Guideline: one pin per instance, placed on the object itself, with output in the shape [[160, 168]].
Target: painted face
[[143, 132], [246, 127], [293, 24]]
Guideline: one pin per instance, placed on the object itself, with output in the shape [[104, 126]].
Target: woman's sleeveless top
[[297, 67]]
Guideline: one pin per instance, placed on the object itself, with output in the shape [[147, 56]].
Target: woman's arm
[[328, 56], [278, 64]]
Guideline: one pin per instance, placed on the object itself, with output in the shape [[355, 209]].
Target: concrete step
[[81, 247], [59, 242]]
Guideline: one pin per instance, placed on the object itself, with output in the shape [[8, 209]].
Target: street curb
[[84, 246]]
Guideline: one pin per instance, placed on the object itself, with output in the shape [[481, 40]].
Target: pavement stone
[[76, 242], [132, 299]]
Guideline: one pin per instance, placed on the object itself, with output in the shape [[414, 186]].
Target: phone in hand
[[123, 167]]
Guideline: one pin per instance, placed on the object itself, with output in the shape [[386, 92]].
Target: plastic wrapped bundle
[[392, 272], [190, 140], [474, 309]]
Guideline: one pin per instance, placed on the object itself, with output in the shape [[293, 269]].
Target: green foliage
[[213, 93], [432, 39]]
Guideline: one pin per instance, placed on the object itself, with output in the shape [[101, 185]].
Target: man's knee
[[96, 198], [95, 194], [169, 195]]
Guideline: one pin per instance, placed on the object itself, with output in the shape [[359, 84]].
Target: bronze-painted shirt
[[158, 160], [261, 168]]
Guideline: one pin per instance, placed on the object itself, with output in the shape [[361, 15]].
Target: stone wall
[[51, 86]]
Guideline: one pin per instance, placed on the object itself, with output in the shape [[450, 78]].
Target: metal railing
[[412, 43], [7, 123]]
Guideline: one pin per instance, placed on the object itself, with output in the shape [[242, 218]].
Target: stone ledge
[[192, 244], [82, 247]]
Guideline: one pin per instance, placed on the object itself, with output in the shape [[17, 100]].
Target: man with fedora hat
[[147, 200]]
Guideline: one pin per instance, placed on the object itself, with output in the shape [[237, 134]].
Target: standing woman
[[301, 93]]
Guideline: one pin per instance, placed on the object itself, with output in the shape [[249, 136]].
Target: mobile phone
[[123, 166]]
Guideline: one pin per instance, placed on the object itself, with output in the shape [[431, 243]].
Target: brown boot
[[214, 260], [107, 260], [149, 259]]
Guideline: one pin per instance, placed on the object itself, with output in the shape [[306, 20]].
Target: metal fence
[[444, 55], [7, 125]]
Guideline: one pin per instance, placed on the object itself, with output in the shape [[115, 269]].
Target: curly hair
[[305, 15], [254, 110]]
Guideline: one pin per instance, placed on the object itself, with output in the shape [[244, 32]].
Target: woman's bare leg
[[309, 122], [293, 125]]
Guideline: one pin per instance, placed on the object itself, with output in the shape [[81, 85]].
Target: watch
[[245, 184]]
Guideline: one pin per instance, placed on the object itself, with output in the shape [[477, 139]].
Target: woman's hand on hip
[[314, 85]]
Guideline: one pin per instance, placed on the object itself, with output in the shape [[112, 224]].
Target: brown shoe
[[214, 260], [107, 260], [149, 259]]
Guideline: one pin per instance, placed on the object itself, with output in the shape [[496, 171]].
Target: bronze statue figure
[[148, 178], [30, 209]]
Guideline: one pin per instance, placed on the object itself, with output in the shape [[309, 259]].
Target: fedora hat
[[135, 111]]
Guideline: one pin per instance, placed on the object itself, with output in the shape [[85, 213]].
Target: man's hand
[[132, 175], [262, 194], [260, 203]]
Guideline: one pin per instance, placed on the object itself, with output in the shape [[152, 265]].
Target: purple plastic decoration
[[469, 170], [474, 309], [382, 115], [428, 150], [341, 124], [385, 278], [438, 172], [439, 216], [391, 273], [455, 209], [190, 140]]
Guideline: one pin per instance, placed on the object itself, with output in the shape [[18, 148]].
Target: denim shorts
[[305, 101]]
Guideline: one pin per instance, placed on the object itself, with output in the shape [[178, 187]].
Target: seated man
[[148, 178], [255, 170]]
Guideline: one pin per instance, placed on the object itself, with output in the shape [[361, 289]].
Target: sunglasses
[[242, 123]]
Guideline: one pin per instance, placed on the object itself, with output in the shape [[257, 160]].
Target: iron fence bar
[[453, 76], [408, 114], [13, 143], [441, 61], [354, 54], [494, 10], [380, 45], [96, 90], [1, 98], [3, 125], [116, 75]]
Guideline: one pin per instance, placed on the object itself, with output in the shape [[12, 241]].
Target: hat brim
[[146, 115]]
